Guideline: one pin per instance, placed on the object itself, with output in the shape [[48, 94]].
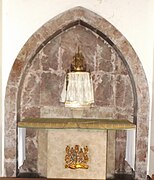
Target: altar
[[71, 148]]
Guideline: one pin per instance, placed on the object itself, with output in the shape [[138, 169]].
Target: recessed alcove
[[36, 81]]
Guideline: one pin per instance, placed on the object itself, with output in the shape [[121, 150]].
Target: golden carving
[[76, 157], [78, 64]]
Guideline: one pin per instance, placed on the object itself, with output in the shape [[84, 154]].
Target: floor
[[116, 177], [122, 177], [36, 176]]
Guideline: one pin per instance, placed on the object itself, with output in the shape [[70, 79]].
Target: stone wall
[[37, 78]]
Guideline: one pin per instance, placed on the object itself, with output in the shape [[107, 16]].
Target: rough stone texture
[[111, 153], [120, 149], [10, 168], [117, 78], [42, 152], [10, 131], [10, 153], [50, 94]]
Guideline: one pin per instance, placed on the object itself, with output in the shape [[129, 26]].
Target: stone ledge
[[76, 123]]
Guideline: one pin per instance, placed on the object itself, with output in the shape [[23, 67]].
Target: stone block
[[57, 142]]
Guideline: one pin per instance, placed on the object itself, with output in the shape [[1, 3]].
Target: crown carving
[[76, 157]]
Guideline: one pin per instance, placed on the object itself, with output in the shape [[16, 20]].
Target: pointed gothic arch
[[50, 30]]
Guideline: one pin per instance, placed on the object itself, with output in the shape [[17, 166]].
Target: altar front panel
[[58, 140]]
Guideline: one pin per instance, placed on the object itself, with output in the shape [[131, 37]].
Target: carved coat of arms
[[76, 157]]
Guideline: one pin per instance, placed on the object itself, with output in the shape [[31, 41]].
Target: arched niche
[[32, 68]]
